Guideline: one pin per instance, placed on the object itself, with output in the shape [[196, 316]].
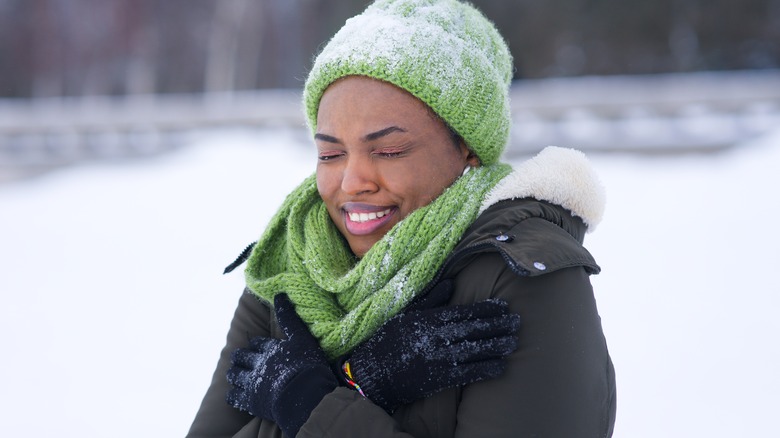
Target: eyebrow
[[383, 132], [326, 138], [368, 137]]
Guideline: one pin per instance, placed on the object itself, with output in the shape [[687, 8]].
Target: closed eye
[[390, 152], [328, 156]]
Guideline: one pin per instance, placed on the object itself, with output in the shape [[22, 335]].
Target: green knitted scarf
[[343, 299]]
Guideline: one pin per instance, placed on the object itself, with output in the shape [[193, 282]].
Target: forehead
[[362, 99]]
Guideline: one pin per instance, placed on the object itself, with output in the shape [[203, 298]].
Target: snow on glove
[[421, 352], [281, 380]]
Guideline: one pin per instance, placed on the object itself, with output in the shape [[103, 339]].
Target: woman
[[383, 298]]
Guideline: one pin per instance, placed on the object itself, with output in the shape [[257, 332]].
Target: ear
[[471, 158]]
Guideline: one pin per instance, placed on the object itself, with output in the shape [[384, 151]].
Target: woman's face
[[382, 154]]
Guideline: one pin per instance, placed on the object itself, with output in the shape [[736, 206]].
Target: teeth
[[365, 217]]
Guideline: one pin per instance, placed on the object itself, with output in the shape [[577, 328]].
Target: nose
[[359, 177]]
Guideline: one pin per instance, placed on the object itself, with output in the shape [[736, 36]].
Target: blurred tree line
[[114, 47]]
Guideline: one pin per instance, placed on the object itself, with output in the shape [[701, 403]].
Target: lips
[[362, 219]]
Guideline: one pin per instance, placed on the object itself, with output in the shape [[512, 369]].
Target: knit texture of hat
[[444, 52]]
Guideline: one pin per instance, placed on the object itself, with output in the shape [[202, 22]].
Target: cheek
[[418, 188], [436, 184], [326, 184]]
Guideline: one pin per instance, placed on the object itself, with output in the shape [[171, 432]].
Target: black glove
[[281, 380], [426, 350]]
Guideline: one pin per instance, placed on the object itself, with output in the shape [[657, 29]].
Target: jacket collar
[[533, 237], [559, 176]]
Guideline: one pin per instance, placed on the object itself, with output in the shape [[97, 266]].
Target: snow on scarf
[[342, 299]]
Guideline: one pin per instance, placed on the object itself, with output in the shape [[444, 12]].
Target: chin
[[362, 247], [360, 250]]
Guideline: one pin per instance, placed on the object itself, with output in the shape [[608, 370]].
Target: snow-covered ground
[[114, 307]]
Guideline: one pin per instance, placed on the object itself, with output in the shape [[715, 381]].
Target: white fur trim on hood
[[557, 175]]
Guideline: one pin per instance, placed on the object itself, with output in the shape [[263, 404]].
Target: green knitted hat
[[444, 52]]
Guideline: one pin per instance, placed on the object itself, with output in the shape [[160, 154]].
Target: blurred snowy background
[[126, 187]]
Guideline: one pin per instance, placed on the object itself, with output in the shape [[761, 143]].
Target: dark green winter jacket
[[559, 383]]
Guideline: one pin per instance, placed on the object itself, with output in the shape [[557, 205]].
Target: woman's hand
[[426, 350], [281, 380]]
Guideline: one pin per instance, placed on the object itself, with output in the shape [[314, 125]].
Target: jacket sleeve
[[335, 416], [216, 418], [346, 414], [560, 382]]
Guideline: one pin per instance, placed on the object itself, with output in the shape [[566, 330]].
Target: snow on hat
[[444, 52]]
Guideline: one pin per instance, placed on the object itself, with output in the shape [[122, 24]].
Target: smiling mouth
[[361, 223], [365, 217]]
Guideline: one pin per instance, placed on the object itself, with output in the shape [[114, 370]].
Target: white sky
[[114, 307]]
